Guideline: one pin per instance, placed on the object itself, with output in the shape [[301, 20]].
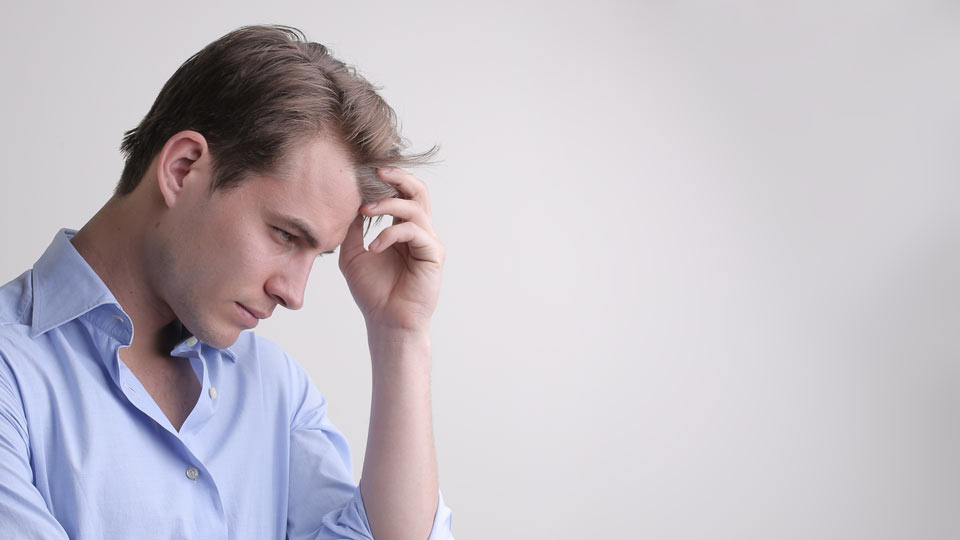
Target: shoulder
[[251, 348], [16, 299], [272, 364], [276, 372], [16, 342], [250, 344]]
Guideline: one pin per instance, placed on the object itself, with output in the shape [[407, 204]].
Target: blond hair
[[257, 92]]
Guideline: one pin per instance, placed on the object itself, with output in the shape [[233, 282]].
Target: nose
[[287, 285]]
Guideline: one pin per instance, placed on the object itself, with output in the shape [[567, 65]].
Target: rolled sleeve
[[355, 513], [323, 501]]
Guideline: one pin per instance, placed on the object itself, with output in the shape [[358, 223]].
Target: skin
[[172, 251]]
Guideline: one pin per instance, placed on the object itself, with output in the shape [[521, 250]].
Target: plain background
[[702, 256]]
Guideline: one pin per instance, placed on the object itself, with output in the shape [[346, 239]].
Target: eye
[[285, 237]]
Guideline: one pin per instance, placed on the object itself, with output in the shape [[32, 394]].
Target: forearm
[[399, 480]]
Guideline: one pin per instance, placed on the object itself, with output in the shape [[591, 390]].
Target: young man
[[132, 405]]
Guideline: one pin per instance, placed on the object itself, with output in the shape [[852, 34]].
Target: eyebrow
[[304, 230]]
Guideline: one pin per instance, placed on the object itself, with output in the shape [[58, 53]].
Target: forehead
[[315, 184], [319, 164]]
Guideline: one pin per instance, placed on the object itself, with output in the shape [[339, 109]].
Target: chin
[[221, 341], [218, 339], [222, 344]]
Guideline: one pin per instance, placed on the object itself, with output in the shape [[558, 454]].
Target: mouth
[[251, 318]]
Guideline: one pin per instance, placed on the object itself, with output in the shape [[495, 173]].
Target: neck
[[112, 243]]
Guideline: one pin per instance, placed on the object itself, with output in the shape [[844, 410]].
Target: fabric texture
[[86, 453]]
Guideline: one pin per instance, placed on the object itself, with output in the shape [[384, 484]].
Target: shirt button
[[192, 473], [191, 341], [213, 393]]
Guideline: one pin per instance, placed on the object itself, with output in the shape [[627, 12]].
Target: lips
[[251, 316], [255, 313]]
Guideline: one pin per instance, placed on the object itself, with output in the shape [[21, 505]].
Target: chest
[[173, 385], [107, 469]]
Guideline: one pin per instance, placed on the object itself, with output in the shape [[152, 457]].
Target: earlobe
[[183, 163]]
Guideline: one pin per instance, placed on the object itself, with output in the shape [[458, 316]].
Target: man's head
[[254, 158], [257, 93], [221, 260]]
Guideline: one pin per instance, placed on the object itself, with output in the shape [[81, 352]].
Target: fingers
[[411, 187], [406, 211], [412, 223], [423, 246]]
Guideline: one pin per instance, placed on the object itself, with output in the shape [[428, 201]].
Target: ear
[[183, 162]]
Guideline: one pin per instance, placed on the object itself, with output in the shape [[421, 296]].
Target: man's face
[[228, 259]]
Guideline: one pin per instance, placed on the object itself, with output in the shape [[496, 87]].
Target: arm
[[399, 479], [320, 456], [23, 512], [396, 285]]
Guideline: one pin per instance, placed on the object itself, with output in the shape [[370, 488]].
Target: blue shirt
[[86, 453]]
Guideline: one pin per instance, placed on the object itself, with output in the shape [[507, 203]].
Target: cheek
[[242, 260], [226, 243]]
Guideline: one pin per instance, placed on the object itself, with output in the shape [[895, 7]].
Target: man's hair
[[256, 93]]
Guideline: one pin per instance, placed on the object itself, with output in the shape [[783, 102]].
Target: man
[[133, 405]]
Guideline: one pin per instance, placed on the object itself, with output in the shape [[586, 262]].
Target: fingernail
[[371, 205], [375, 243], [386, 170]]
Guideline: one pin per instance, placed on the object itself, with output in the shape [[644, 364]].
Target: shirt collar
[[66, 287]]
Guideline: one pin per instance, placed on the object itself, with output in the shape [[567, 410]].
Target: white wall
[[702, 256]]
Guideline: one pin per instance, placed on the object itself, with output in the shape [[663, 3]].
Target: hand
[[397, 282]]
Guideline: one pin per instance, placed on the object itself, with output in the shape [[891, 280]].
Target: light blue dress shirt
[[86, 453]]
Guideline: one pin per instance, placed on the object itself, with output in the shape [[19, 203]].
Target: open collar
[[65, 287]]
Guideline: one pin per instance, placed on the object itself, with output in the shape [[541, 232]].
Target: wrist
[[397, 344], [397, 335]]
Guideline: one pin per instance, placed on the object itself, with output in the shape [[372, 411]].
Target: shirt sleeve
[[23, 512], [324, 503]]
